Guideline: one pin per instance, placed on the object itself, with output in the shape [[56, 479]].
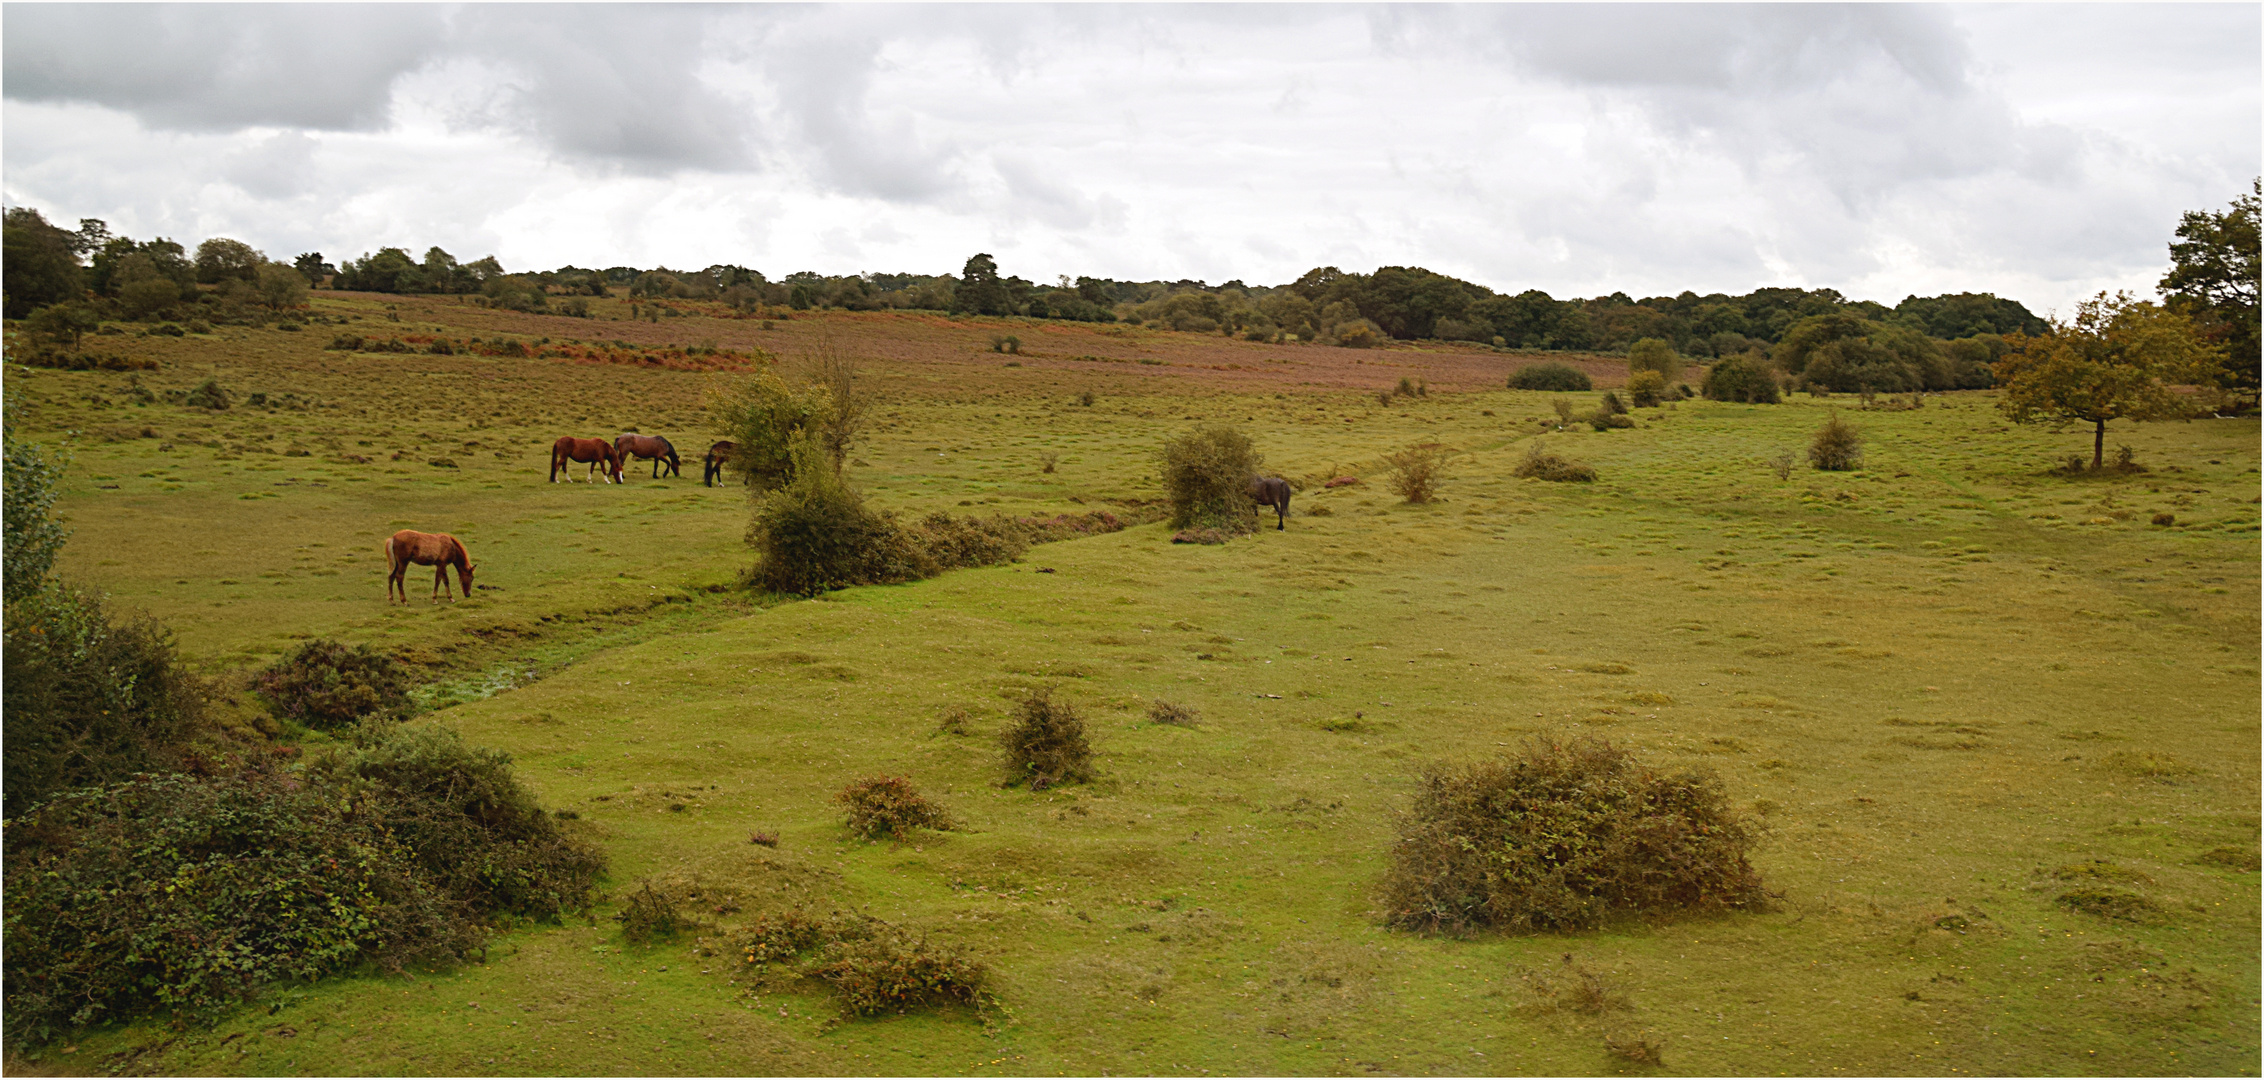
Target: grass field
[[1955, 687]]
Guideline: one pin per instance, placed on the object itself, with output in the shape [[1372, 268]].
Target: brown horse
[[718, 456], [648, 446], [437, 550], [1272, 491], [569, 449]]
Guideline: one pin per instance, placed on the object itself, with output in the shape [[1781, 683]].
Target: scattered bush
[[1635, 1050], [1045, 745], [1085, 399], [762, 417], [1838, 447], [1005, 343], [1206, 477], [1745, 377], [650, 915], [87, 700], [1415, 472], [784, 936], [892, 971], [2165, 518], [2108, 903], [814, 532], [954, 720], [1550, 376], [1541, 464], [889, 807], [1563, 836], [328, 685], [940, 542], [1411, 388], [1165, 712], [1603, 419], [209, 394], [1646, 388], [1047, 461], [1782, 464], [1611, 404]]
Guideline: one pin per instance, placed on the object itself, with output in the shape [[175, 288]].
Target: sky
[[2042, 152]]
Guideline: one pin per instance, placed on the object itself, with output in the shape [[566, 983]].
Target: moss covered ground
[[1980, 707]]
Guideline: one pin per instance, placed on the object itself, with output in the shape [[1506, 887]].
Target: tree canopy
[[2117, 359], [2213, 277]]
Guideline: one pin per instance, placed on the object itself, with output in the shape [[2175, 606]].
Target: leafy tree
[[764, 416], [516, 293], [63, 323], [388, 270], [2116, 360], [220, 259], [1746, 377], [144, 289], [279, 286], [1654, 354], [311, 265], [33, 536], [39, 263], [1957, 315], [2213, 278], [1845, 352], [980, 291]]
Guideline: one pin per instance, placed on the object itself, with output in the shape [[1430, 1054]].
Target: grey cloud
[[193, 67], [820, 68], [278, 167]]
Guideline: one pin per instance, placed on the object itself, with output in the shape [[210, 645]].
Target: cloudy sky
[[2037, 151]]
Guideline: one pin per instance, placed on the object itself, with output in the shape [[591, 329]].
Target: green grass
[[1919, 675]]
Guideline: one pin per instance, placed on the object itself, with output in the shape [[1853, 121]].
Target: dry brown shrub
[[889, 806], [1046, 746]]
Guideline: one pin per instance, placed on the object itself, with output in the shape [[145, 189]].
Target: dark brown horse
[[1272, 491], [569, 449], [718, 456], [437, 550], [648, 446]]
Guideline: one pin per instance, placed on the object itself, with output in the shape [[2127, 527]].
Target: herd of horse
[[443, 552], [569, 451]]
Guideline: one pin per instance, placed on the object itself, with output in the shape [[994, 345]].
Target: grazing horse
[[1272, 491], [569, 449], [717, 456], [648, 446], [437, 550]]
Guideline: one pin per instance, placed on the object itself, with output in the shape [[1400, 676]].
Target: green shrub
[[1414, 473], [1645, 388], [88, 700], [1541, 464], [1746, 377], [1654, 354], [891, 971], [2109, 903], [814, 532], [186, 896], [1563, 836], [1045, 745], [762, 417], [1206, 477], [940, 542], [33, 536], [1550, 376], [477, 834], [1606, 420], [328, 685], [1005, 343], [784, 936], [1838, 447], [889, 807]]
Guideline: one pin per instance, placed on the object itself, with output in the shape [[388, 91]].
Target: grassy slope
[[1931, 676]]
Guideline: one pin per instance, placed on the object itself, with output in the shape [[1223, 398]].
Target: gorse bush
[[1165, 712], [1563, 836], [1646, 388], [1838, 447], [87, 700], [889, 807], [1541, 464], [814, 533], [325, 684], [1206, 478], [1414, 473], [651, 915], [1550, 376], [1045, 745], [891, 971], [1745, 377]]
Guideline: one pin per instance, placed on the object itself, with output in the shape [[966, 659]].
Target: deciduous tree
[[2117, 359], [2213, 277]]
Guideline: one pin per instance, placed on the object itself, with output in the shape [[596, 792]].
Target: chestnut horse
[[569, 449], [437, 550], [1272, 491], [718, 456], [648, 446]]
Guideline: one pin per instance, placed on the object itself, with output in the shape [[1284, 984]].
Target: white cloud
[[2041, 152]]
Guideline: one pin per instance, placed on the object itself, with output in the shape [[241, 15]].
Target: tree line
[[1931, 342]]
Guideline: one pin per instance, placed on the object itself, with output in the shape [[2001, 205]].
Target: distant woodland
[[1931, 342]]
